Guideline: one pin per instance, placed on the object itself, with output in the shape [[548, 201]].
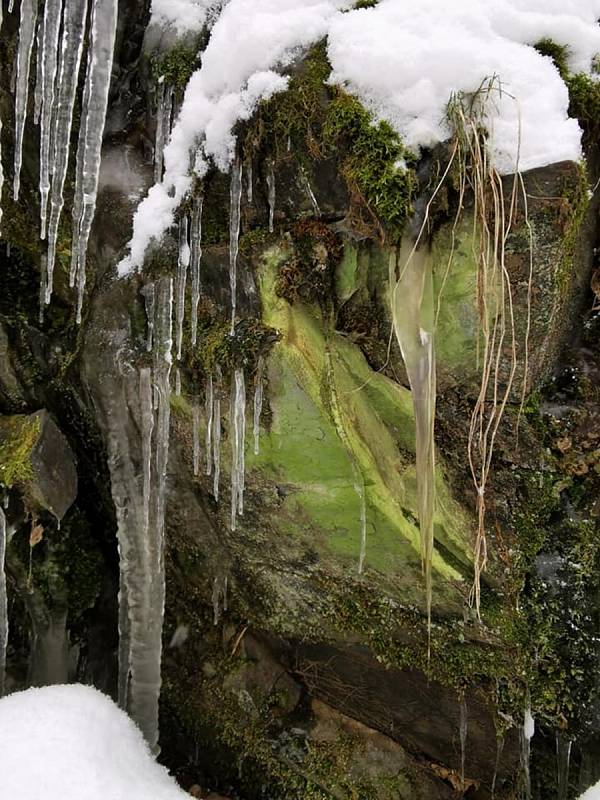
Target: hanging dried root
[[494, 216]]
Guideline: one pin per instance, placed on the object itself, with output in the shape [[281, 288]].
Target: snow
[[182, 15], [74, 743], [593, 793], [528, 725], [403, 60]]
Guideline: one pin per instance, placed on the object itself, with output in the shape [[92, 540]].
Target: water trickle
[[563, 759], [463, 729], [103, 27], [177, 382], [238, 435], [208, 405], [3, 603], [42, 296], [195, 260], [412, 311], [258, 402], [235, 192], [182, 270], [271, 194], [499, 749], [27, 26], [73, 28]]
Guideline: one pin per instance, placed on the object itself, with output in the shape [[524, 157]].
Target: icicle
[[177, 382], [563, 758], [11, 5], [258, 402], [234, 233], [527, 732], [250, 186], [149, 303], [310, 193], [219, 597], [238, 435], [463, 738], [101, 44], [147, 419], [182, 269], [216, 436], [37, 98], [412, 311], [48, 61], [499, 749], [271, 195], [196, 258], [208, 404], [27, 25], [196, 437], [74, 14], [43, 273], [164, 116], [3, 604]]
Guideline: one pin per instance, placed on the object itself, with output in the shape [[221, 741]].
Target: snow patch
[[74, 743]]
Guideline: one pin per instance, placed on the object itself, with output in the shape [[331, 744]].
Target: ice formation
[[140, 525], [101, 41], [28, 19], [195, 261], [238, 436], [45, 85], [258, 402], [183, 263], [71, 48]]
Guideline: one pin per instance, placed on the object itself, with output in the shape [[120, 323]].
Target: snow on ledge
[[403, 60], [74, 743]]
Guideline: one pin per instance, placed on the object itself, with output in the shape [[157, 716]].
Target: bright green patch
[[18, 436], [175, 67]]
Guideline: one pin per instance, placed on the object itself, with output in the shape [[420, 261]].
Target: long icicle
[[101, 46], [209, 409], [182, 270], [258, 402], [234, 233], [74, 14], [195, 260], [48, 60], [3, 604], [28, 19], [412, 311], [216, 434], [196, 436], [238, 435]]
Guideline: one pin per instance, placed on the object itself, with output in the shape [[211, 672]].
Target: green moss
[[176, 66], [18, 436], [376, 163], [584, 100], [571, 214]]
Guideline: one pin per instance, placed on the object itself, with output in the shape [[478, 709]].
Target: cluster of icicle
[[60, 36]]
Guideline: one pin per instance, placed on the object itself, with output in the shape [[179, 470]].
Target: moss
[[584, 100], [366, 4], [176, 66], [217, 346], [571, 214], [18, 436], [308, 276], [376, 163]]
